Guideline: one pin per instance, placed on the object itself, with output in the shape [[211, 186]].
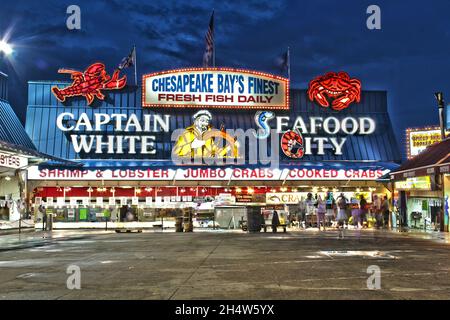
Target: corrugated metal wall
[[11, 129], [3, 86], [43, 109]]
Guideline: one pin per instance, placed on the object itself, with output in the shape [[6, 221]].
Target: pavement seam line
[[196, 269]]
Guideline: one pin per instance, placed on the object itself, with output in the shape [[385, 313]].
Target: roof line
[[418, 168]]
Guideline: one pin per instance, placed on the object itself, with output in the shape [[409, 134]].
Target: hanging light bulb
[[250, 190], [238, 190]]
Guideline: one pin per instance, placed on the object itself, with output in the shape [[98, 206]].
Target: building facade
[[275, 145]]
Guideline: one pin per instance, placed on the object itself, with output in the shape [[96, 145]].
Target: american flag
[[209, 38], [129, 60]]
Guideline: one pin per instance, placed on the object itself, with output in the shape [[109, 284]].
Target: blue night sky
[[408, 57]]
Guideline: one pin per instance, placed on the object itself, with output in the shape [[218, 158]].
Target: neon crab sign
[[89, 83], [338, 87]]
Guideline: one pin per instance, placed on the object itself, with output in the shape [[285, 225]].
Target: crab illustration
[[337, 86], [89, 83]]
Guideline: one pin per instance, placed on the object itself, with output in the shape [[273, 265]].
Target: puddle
[[371, 254]]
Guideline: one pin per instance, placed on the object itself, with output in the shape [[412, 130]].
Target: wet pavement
[[226, 265]]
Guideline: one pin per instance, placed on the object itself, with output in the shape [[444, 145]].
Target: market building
[[422, 188], [217, 141]]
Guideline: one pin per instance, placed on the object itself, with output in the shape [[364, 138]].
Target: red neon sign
[[89, 83], [338, 87]]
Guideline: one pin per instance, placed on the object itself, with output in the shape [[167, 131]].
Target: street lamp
[[440, 100], [5, 48]]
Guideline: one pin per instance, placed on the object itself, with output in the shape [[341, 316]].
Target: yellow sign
[[420, 139], [418, 183]]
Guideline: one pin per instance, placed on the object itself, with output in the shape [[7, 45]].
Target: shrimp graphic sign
[[90, 83]]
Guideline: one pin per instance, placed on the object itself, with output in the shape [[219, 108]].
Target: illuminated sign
[[418, 183], [12, 161], [215, 88], [418, 139], [337, 87], [296, 197], [90, 83], [83, 132], [301, 136], [207, 174]]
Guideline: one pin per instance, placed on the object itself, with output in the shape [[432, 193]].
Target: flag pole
[[289, 63], [135, 67], [214, 42]]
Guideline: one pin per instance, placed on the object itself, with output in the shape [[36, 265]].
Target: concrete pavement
[[225, 265]]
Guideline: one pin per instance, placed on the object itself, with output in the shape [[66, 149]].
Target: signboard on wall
[[418, 139], [417, 183], [12, 161], [215, 88], [207, 174]]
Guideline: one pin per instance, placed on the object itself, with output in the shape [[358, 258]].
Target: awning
[[35, 157], [434, 160]]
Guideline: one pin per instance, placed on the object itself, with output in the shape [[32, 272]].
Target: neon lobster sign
[[89, 83]]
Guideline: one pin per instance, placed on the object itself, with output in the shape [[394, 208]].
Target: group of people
[[340, 212]]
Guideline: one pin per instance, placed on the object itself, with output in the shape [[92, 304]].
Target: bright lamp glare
[[5, 47]]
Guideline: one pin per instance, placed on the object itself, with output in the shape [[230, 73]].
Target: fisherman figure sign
[[199, 140]]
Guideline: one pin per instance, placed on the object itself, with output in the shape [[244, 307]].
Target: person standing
[[341, 216], [362, 209], [321, 210], [275, 221], [309, 204], [385, 209], [43, 212]]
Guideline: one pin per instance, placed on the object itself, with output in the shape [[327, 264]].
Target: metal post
[[440, 99], [135, 65]]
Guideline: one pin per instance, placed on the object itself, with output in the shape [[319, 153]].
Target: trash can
[[50, 222], [254, 219], [179, 224]]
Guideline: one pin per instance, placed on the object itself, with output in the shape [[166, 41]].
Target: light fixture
[[183, 190], [238, 189], [440, 99], [294, 190], [137, 190], [358, 190], [250, 190], [273, 190], [283, 189], [5, 48], [90, 189], [315, 189], [324, 189], [148, 189]]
